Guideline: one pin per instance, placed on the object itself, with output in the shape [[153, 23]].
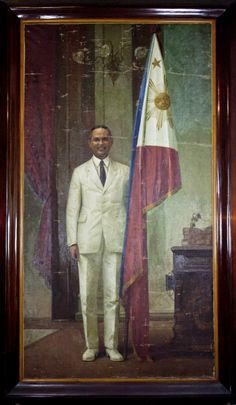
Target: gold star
[[156, 63]]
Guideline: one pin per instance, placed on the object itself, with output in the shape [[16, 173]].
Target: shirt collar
[[97, 161]]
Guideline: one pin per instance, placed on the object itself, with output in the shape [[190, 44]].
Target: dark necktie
[[102, 173]]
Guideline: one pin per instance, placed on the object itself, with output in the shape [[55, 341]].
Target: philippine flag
[[154, 176]]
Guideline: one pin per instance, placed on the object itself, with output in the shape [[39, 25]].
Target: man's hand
[[74, 252]]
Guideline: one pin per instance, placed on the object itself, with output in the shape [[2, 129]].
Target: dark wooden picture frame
[[224, 389]]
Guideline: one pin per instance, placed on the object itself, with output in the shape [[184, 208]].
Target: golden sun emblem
[[158, 106]]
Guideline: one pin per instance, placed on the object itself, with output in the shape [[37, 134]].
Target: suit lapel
[[93, 175], [110, 175]]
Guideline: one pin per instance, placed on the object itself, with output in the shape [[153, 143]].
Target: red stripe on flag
[[160, 172], [156, 176]]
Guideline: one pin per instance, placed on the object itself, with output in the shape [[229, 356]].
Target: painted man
[[96, 214]]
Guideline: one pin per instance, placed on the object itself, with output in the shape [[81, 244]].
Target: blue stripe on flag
[[137, 120]]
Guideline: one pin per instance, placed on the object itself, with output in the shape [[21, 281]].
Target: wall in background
[[188, 62]]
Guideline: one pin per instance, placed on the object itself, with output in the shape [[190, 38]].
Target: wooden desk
[[193, 318]]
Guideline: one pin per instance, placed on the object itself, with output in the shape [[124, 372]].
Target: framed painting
[[123, 285]]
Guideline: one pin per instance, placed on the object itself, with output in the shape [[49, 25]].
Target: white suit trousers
[[91, 267]]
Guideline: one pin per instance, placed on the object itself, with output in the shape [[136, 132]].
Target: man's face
[[100, 143]]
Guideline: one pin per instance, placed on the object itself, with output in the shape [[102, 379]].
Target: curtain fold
[[40, 93]]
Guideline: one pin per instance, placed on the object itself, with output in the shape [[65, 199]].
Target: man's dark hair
[[100, 126]]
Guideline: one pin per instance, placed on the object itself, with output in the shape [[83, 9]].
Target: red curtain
[[40, 92]]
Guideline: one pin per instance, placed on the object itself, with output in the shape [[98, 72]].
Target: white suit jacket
[[94, 210]]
